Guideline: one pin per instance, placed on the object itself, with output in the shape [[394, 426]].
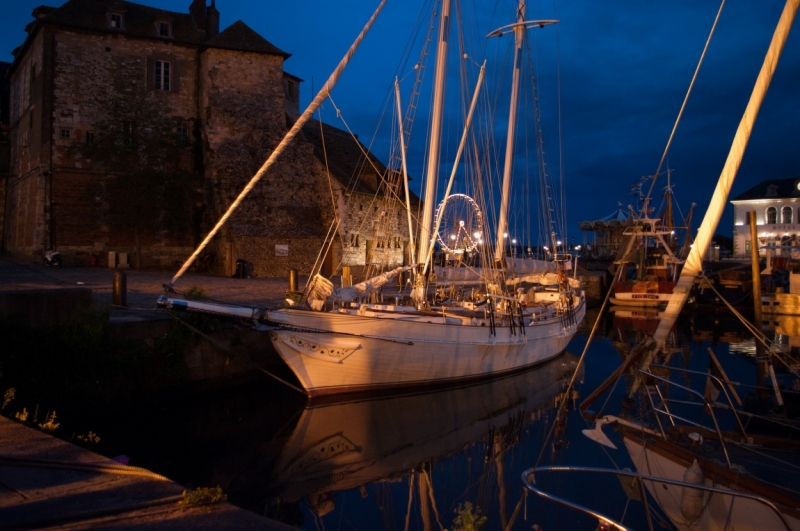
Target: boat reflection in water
[[346, 446]]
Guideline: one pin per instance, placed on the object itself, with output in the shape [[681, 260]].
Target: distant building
[[777, 206], [95, 77]]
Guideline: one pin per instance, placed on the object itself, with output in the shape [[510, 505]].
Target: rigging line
[[301, 121], [577, 367], [365, 153], [685, 99], [757, 334]]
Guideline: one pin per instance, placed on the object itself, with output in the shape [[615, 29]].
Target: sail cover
[[519, 267], [371, 285], [461, 275]]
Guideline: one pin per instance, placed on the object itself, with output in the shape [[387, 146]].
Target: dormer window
[[164, 28], [115, 20], [772, 191]]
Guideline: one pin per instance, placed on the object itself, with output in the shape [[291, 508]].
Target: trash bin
[[242, 269]]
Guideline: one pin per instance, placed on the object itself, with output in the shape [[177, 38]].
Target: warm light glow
[[514, 240], [558, 242], [577, 247], [546, 248], [505, 235], [453, 237], [460, 223], [477, 235]]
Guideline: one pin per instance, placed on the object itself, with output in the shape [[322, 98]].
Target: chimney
[[198, 12], [212, 21]]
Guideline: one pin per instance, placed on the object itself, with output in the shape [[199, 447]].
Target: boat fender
[[691, 498]]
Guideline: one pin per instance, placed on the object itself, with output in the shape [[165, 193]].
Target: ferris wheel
[[460, 224]]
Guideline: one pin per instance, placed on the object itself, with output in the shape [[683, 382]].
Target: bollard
[[292, 279], [120, 291]]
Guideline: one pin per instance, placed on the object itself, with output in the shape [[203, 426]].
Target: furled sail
[[371, 285]]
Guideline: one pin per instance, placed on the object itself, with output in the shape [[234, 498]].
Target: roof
[[772, 189], [139, 21], [344, 156], [239, 36], [618, 215]]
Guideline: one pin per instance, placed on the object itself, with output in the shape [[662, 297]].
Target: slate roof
[[139, 21], [771, 189], [239, 36], [345, 158]]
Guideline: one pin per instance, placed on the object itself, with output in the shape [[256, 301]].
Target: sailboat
[[707, 462], [342, 341]]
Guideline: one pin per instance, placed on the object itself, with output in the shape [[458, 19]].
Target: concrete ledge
[[52, 483], [42, 307]]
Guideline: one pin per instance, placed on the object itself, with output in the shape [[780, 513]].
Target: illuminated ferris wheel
[[461, 226]]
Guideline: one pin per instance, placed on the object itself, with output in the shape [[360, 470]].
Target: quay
[[47, 483]]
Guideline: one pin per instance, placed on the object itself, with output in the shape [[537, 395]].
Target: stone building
[[133, 128], [777, 206]]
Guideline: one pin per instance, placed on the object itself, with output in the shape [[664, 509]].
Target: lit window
[[786, 215], [115, 20], [162, 75], [65, 133], [772, 216]]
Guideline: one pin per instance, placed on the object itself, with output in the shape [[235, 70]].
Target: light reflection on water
[[410, 462]]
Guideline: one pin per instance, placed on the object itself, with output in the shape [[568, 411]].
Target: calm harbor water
[[410, 462]]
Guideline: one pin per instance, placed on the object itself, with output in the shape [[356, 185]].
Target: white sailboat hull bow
[[337, 353]]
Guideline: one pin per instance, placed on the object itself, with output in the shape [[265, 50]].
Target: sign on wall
[[281, 249]]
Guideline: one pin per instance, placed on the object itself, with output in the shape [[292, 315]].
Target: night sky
[[625, 67]]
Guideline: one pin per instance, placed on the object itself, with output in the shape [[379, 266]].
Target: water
[[411, 462]]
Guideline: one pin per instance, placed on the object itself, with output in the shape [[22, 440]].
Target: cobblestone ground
[[144, 287]]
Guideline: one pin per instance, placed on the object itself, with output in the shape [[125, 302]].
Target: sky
[[625, 67]]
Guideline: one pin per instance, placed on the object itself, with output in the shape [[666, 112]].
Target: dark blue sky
[[625, 67]]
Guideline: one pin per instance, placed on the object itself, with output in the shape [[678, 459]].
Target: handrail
[[723, 387], [706, 402], [530, 473]]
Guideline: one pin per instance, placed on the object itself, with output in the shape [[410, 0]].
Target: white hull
[[642, 300], [742, 515], [367, 353]]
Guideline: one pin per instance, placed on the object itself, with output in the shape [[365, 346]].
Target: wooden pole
[[757, 316]]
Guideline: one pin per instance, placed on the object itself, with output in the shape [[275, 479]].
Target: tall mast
[[518, 28], [502, 224], [432, 173]]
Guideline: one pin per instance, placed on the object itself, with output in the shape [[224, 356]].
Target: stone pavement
[[144, 287]]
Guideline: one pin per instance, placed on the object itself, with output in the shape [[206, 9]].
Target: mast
[[518, 28], [694, 262], [411, 245], [502, 223], [432, 172]]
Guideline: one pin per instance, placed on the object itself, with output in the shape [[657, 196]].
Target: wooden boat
[[337, 341]]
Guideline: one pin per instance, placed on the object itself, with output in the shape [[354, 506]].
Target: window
[[786, 215], [89, 138], [772, 216], [65, 133], [115, 20], [164, 29], [162, 75], [747, 245], [183, 129]]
